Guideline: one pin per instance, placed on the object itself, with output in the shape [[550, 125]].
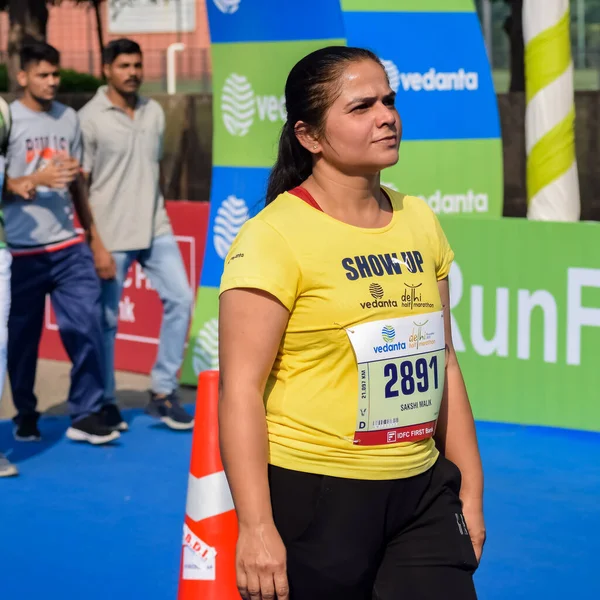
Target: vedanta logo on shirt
[[432, 80], [378, 294], [227, 6], [231, 215], [240, 105], [388, 333], [389, 348]]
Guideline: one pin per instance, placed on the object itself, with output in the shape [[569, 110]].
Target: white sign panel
[[151, 16]]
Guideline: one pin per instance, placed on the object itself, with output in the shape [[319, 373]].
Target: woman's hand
[[261, 563], [473, 513]]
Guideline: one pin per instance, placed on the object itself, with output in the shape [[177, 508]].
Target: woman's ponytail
[[293, 165]]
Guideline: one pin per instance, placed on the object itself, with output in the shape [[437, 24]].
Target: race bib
[[401, 368]]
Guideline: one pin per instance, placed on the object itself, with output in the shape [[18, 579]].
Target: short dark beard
[[44, 104]]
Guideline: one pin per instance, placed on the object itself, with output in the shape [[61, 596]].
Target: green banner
[[249, 105], [408, 5], [525, 300], [449, 175]]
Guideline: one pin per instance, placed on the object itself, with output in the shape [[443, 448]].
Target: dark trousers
[[69, 276], [349, 539]]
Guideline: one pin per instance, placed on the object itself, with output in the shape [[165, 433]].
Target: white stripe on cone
[[208, 496]]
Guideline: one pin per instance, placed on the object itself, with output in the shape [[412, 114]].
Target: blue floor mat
[[98, 523]]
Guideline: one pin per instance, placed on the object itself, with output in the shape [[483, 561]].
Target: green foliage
[[3, 78], [74, 81], [71, 81]]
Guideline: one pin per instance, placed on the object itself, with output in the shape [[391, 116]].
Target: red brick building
[[154, 25]]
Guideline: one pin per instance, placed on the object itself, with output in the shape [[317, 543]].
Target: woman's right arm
[[251, 325]]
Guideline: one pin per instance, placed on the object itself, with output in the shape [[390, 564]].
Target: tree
[[29, 18], [513, 27]]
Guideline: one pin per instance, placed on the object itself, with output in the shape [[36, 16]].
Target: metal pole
[[486, 18], [89, 40], [178, 18], [171, 67], [581, 34]]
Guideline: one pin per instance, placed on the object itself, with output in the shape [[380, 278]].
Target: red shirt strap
[[305, 195]]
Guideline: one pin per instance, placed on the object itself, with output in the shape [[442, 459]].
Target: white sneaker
[[7, 469], [92, 429]]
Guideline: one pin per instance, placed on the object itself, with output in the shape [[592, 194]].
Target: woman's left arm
[[455, 434]]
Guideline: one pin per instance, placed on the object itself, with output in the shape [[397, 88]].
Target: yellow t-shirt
[[332, 276]]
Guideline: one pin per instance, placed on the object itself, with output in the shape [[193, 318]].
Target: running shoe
[[168, 410], [112, 417], [93, 430], [7, 469], [26, 428]]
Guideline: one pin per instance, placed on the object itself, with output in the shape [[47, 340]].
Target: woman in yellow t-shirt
[[345, 424]]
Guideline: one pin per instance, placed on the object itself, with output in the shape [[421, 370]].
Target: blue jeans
[[68, 275], [163, 265]]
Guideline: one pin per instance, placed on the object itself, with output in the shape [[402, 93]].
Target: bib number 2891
[[401, 368], [411, 376]]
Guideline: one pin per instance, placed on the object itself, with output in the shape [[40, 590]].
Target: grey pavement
[[52, 388]]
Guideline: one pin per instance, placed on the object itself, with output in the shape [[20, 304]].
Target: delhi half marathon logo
[[227, 6], [238, 105], [205, 355], [412, 299], [420, 336], [231, 215], [388, 333]]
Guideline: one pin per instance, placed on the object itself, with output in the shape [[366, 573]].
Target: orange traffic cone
[[210, 530]]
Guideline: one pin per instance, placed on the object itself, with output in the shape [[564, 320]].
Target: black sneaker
[[169, 411], [112, 417], [93, 430], [26, 429]]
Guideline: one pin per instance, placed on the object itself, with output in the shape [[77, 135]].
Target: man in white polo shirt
[[123, 138]]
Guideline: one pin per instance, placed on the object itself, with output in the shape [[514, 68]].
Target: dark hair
[[310, 90], [115, 48], [34, 52]]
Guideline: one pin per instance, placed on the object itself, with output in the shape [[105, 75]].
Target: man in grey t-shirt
[[44, 185], [123, 138]]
